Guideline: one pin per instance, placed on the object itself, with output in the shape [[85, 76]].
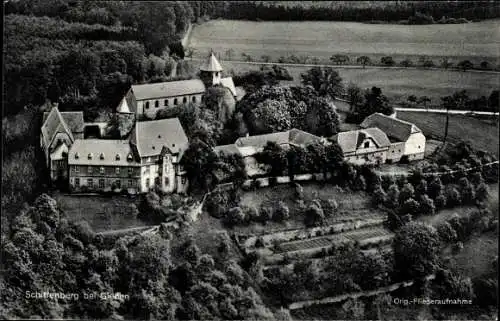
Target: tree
[[426, 62], [446, 233], [339, 59], [465, 64], [200, 162], [374, 102], [265, 58], [445, 63], [409, 207], [387, 61], [326, 81], [482, 192], [412, 99], [363, 60], [274, 156], [314, 215], [484, 65], [281, 212], [235, 216], [406, 63], [355, 96], [424, 100], [466, 190], [427, 206], [494, 101], [416, 250], [453, 197]]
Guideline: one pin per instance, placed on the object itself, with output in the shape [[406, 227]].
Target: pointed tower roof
[[211, 64]]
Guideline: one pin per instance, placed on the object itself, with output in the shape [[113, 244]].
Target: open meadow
[[476, 41], [480, 133], [398, 84]]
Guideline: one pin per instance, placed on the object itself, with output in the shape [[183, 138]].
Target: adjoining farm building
[[249, 146], [407, 140], [363, 146]]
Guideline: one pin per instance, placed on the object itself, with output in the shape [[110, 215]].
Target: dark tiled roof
[[168, 89], [227, 149], [392, 127], [292, 136], [151, 136]]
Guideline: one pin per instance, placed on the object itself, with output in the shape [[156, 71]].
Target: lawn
[[481, 134], [103, 213], [322, 39], [398, 84]]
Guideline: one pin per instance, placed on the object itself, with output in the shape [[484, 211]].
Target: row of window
[[101, 183], [166, 102], [102, 170]]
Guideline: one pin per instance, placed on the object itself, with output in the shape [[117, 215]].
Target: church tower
[[211, 71]]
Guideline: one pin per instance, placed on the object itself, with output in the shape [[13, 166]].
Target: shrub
[[252, 213], [482, 192], [446, 233], [265, 214], [427, 206], [235, 216], [379, 197], [329, 206], [466, 190], [281, 212], [453, 197], [314, 215], [410, 206], [440, 201]]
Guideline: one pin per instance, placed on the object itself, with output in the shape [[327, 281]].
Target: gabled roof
[[293, 136], [168, 89], [351, 140], [211, 64], [102, 151], [151, 136], [73, 119], [123, 107], [393, 127], [228, 83], [54, 123], [227, 149]]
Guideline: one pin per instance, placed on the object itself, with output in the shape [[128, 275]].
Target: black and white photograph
[[250, 160]]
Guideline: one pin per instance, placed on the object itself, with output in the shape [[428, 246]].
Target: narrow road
[[285, 64], [443, 111]]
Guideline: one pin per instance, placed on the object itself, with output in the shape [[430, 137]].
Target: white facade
[[150, 107], [414, 146]]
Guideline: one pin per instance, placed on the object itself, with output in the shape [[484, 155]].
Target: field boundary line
[[286, 64]]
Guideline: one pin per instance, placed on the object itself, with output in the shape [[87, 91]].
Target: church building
[[147, 99]]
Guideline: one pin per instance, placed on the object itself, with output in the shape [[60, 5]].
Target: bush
[[453, 197], [482, 192], [235, 216], [329, 206], [252, 213], [314, 215], [427, 206], [440, 201], [410, 206], [266, 214], [446, 233], [379, 197], [281, 212]]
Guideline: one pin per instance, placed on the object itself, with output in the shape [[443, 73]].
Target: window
[[157, 181], [418, 146], [101, 183], [393, 151], [130, 171], [101, 157], [77, 169], [101, 170], [175, 101], [367, 144], [130, 183], [166, 181], [77, 182], [77, 156], [129, 157], [147, 105], [117, 171], [193, 99], [217, 74], [117, 157], [157, 104], [183, 180], [147, 182], [184, 100], [165, 102], [118, 184], [89, 156], [89, 169], [90, 182]]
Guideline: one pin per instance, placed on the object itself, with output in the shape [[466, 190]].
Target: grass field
[[398, 84], [481, 134], [477, 41], [101, 212]]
